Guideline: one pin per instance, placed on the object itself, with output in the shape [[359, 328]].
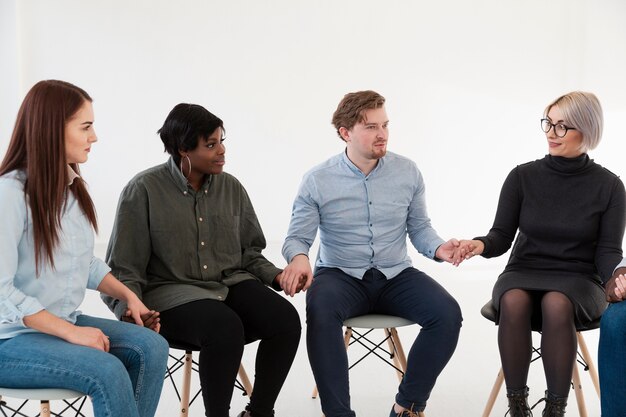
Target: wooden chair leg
[[186, 388], [593, 373], [497, 386], [245, 381], [578, 390], [399, 349], [395, 347], [45, 408], [346, 337], [394, 354]]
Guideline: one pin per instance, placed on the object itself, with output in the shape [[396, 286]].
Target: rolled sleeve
[[16, 306], [97, 271]]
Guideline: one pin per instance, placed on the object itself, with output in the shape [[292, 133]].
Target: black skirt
[[585, 292]]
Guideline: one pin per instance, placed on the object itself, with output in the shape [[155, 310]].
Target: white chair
[[369, 323], [73, 400]]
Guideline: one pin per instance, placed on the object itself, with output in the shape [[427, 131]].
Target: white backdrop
[[465, 83]]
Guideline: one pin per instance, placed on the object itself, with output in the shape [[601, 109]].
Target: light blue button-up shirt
[[60, 290], [621, 265], [363, 221]]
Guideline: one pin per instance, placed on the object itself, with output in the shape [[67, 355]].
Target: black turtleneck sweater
[[570, 213]]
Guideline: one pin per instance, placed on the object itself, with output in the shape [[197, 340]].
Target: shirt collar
[[355, 169], [180, 180], [71, 175]]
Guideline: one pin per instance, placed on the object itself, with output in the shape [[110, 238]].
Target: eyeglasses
[[560, 129]]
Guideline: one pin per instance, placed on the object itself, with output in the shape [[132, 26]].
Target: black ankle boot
[[555, 405], [518, 403]]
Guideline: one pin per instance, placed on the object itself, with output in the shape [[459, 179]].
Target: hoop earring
[[181, 167]]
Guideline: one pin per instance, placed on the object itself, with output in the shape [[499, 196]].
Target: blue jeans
[[612, 360], [125, 382], [336, 296]]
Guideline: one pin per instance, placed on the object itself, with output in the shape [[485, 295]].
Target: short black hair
[[185, 124]]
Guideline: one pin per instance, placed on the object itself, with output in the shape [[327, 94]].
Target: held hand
[[449, 252], [139, 314], [89, 336], [616, 289], [150, 319], [297, 276], [472, 248]]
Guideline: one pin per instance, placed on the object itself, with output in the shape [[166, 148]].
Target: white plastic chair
[[73, 400], [369, 323]]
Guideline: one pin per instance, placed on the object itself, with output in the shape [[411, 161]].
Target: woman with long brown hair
[[47, 223]]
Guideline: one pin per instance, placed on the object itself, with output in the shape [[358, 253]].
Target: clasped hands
[[297, 276], [615, 288], [456, 251]]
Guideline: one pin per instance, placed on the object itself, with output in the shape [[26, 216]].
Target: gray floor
[[461, 390]]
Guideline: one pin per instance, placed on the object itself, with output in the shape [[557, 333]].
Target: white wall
[[10, 96], [466, 83]]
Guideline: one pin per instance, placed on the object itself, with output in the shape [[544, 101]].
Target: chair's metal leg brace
[[372, 350], [15, 411], [70, 405], [44, 408], [178, 363]]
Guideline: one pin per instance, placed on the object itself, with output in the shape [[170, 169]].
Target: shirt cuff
[[10, 313], [295, 249], [97, 271]]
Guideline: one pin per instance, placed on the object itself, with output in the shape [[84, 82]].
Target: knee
[[155, 348], [320, 314], [448, 314], [515, 306], [111, 380], [227, 334], [289, 318]]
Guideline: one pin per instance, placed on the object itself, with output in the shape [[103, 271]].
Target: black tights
[[220, 330], [558, 338]]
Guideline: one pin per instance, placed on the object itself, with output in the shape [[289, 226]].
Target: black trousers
[[220, 329]]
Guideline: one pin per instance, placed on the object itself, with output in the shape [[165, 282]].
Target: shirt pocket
[[224, 234]]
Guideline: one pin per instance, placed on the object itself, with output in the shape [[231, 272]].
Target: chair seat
[[40, 393], [182, 346], [376, 321]]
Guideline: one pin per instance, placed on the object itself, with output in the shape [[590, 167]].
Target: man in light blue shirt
[[364, 202]]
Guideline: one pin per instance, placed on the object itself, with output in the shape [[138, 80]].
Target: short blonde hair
[[582, 111]]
